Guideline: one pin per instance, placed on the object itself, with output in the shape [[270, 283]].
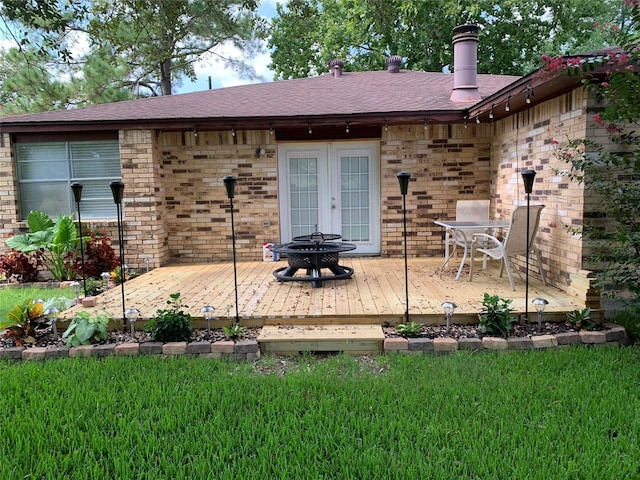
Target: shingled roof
[[352, 95]]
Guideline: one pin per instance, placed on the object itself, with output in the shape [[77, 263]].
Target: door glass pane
[[303, 185], [354, 183]]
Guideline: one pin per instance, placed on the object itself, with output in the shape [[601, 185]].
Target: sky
[[224, 77]]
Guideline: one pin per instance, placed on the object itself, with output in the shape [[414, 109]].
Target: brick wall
[[198, 216], [9, 224], [526, 141], [447, 163]]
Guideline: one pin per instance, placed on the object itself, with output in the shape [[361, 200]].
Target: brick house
[[322, 150]]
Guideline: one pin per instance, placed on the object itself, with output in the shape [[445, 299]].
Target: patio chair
[[514, 243], [465, 210]]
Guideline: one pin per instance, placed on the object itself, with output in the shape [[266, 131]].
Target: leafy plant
[[609, 170], [20, 266], [581, 319], [234, 332], [54, 240], [99, 256], [411, 329], [23, 321], [171, 324], [86, 328], [495, 316], [93, 287]]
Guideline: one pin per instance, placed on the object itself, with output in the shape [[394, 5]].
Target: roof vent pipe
[[393, 63], [335, 67], [465, 60]]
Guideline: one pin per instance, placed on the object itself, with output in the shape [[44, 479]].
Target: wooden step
[[355, 339]]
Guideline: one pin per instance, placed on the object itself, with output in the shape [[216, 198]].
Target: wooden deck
[[375, 294]]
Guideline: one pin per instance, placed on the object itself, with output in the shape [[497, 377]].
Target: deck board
[[375, 293]]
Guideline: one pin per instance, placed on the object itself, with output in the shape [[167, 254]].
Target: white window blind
[[47, 170]]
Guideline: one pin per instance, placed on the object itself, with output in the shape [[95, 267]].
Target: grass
[[11, 296], [567, 414]]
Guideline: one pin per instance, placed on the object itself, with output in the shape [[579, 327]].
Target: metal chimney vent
[[393, 63], [335, 66], [465, 60]]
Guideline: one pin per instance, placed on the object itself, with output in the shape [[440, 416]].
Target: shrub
[[85, 329], [581, 319], [495, 316], [20, 266], [234, 332], [53, 240], [411, 329], [99, 256], [23, 322], [171, 324]]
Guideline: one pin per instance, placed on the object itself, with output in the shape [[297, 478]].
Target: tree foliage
[[81, 52], [307, 34], [611, 171]]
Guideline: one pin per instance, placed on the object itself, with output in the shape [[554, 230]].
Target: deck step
[[355, 339]]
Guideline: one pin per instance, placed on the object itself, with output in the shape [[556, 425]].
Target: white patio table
[[456, 229]]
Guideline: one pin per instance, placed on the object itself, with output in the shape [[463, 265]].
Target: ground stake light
[[77, 195], [528, 177], [76, 290], [403, 179], [207, 313], [117, 189], [230, 185], [540, 304], [449, 308], [132, 315], [52, 316]]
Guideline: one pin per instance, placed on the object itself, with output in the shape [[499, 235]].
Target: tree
[[161, 41], [306, 35], [611, 171], [135, 48]]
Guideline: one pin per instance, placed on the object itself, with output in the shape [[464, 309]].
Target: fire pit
[[313, 253]]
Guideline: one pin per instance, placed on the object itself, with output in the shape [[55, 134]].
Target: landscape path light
[[207, 313], [76, 290], [132, 315], [52, 316], [77, 195], [540, 304], [449, 308]]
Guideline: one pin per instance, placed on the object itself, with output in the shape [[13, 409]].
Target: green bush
[[411, 329], [171, 324], [85, 329], [495, 316]]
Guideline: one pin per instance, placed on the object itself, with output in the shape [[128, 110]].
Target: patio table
[[454, 226]]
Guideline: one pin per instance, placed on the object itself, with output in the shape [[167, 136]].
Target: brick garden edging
[[249, 350], [244, 350], [613, 335]]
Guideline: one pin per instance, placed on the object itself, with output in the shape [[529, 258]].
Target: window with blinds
[[47, 170]]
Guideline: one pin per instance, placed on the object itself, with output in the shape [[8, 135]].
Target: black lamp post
[[403, 178], [230, 185], [117, 189], [77, 195], [527, 176]]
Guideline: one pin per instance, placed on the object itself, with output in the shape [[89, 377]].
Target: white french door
[[332, 187]]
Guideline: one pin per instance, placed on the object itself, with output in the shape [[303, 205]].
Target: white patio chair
[[465, 210], [515, 242]]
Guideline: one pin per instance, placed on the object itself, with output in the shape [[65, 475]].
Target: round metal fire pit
[[313, 253]]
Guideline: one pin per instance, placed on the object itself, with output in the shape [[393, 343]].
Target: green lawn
[[566, 414]]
